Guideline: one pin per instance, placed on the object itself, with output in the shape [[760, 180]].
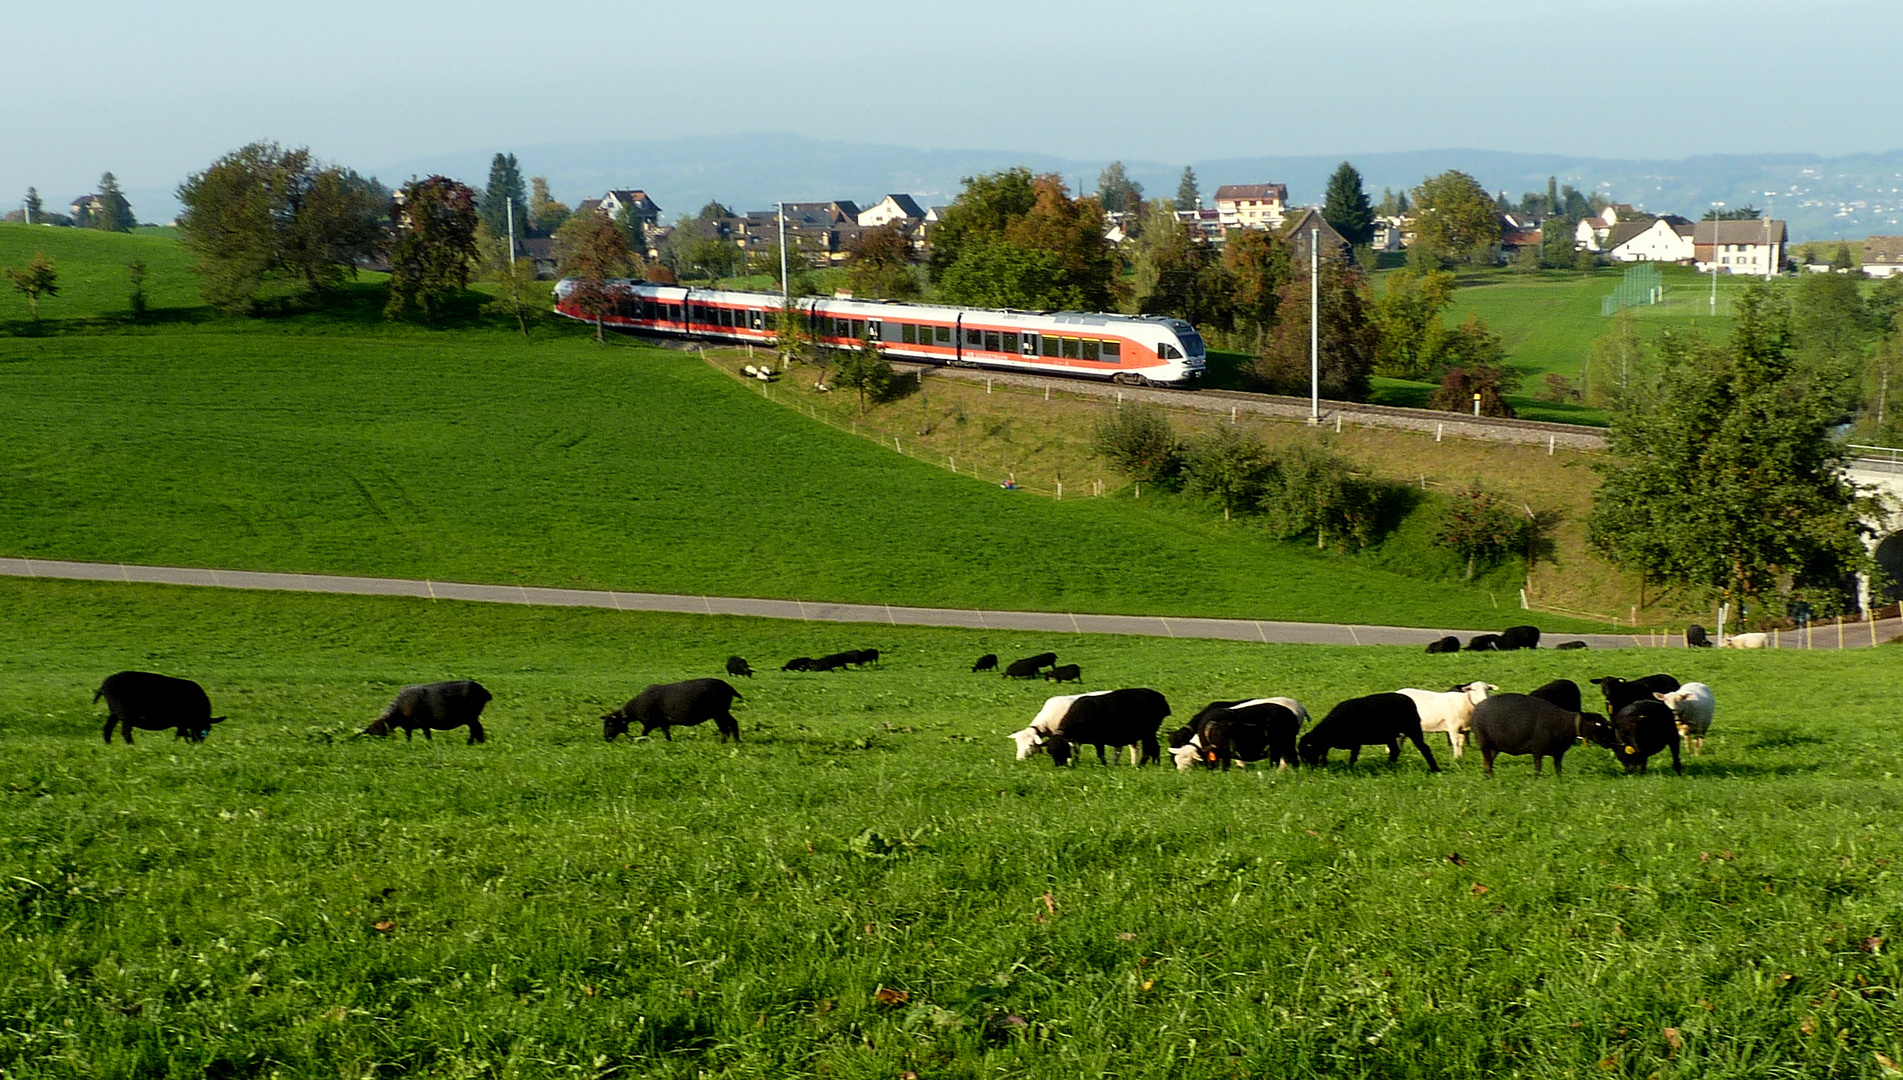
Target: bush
[[1137, 442], [1308, 489], [1481, 527], [1227, 465]]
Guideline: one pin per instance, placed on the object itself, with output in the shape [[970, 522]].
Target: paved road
[[821, 611]]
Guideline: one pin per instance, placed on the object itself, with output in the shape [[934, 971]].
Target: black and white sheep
[[1116, 718]]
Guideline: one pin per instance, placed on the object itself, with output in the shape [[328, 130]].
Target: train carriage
[[1135, 350]]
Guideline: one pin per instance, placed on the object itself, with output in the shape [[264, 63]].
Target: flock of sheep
[[1643, 716]]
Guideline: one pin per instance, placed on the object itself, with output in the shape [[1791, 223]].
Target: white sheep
[[1692, 707], [1450, 711], [1747, 641]]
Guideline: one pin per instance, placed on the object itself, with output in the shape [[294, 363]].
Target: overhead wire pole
[[784, 290], [1314, 325]]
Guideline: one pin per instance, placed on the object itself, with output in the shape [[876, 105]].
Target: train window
[[758, 322], [1071, 348], [1167, 351], [1030, 344], [876, 327], [991, 341], [1052, 345], [908, 333], [1112, 350], [1090, 348], [974, 339], [772, 320], [942, 335], [858, 329], [1010, 343], [725, 316]]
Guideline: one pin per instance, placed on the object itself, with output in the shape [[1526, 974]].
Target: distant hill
[[1821, 197]]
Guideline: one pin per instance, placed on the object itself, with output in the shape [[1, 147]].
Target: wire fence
[[1639, 285]]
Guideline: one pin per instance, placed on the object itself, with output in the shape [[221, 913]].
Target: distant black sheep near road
[[867, 656], [738, 666], [140, 699], [1570, 645], [798, 663], [1484, 643], [1696, 638], [1449, 643], [439, 706], [1027, 668], [1065, 673], [677, 704], [987, 662], [1519, 637], [1375, 720]]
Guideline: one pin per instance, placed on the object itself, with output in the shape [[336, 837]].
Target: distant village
[[825, 233]]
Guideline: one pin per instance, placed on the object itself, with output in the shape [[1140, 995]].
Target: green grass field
[[869, 886]]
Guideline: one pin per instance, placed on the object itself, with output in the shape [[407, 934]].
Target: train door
[[1027, 344]]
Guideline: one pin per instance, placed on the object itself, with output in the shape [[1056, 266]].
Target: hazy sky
[[153, 91]]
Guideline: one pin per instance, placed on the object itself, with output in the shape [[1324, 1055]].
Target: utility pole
[[784, 291], [510, 204], [1314, 325]]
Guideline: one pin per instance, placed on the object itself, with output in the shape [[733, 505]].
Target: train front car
[[1181, 356]]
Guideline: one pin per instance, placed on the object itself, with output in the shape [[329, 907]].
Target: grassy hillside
[[335, 442], [92, 273], [868, 885]]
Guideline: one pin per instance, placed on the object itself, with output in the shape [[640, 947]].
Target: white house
[[1390, 233], [889, 209], [1883, 256], [1665, 239], [619, 199], [1590, 233], [1752, 246], [1251, 206]]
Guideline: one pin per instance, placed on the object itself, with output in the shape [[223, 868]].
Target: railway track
[[1337, 414]]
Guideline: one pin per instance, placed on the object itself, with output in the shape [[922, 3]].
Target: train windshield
[[1192, 343]]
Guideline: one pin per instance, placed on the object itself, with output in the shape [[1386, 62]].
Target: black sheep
[[1621, 692], [1696, 638], [738, 666], [435, 706], [1444, 645], [1639, 730], [1524, 724], [1254, 730], [1065, 673], [1377, 720], [1127, 717], [1561, 692], [987, 662], [1484, 643], [140, 699], [798, 663], [677, 704], [1519, 637]]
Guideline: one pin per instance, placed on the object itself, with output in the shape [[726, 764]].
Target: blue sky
[[153, 91]]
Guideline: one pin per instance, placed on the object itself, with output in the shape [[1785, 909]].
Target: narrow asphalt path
[[824, 611]]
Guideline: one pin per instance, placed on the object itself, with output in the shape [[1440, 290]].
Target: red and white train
[[1134, 349]]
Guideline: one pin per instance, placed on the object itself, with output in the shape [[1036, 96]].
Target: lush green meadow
[[868, 885]]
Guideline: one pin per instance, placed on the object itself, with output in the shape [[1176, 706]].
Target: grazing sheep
[[1238, 731], [1747, 641], [677, 704], [738, 666], [435, 706], [152, 702], [1622, 692], [1639, 730], [1028, 667], [987, 662], [1065, 673], [1484, 643], [1447, 644], [1692, 708], [1450, 711], [1522, 724], [1570, 645], [1030, 740], [1561, 692], [1519, 637], [798, 663], [1696, 638], [1377, 719], [1128, 717]]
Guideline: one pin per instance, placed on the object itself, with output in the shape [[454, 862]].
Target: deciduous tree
[[1346, 207], [1348, 337], [435, 247], [1257, 262], [1225, 464], [1407, 315], [591, 250], [545, 214], [1455, 219], [1306, 489], [38, 278], [518, 294], [1138, 443], [980, 213], [1732, 482], [879, 264], [265, 212], [1481, 526]]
